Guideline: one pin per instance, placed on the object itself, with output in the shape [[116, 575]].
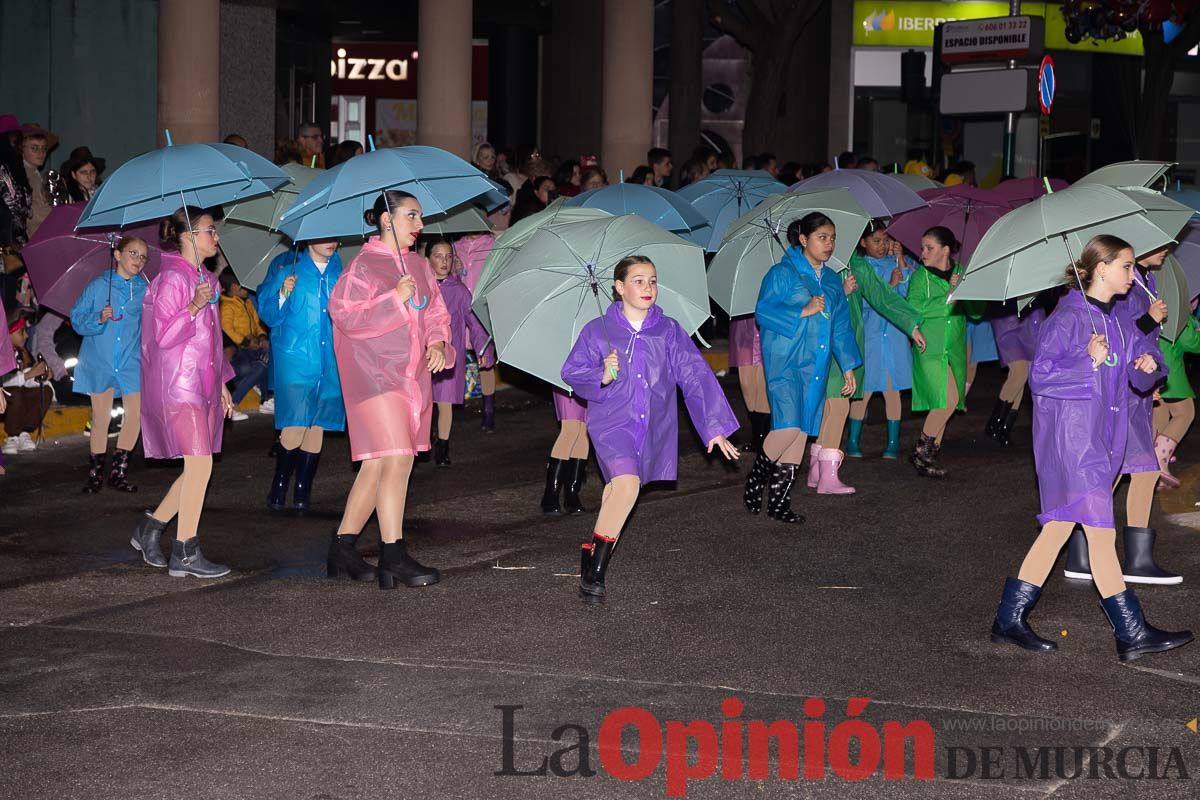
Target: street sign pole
[[1010, 121]]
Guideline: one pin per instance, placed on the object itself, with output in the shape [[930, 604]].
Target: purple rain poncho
[[450, 385], [1139, 451], [1017, 335]]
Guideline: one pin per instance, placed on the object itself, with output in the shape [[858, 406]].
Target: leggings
[[935, 422], [754, 388], [1013, 390], [1102, 553], [131, 421], [572, 441], [381, 487], [307, 439], [1173, 418]]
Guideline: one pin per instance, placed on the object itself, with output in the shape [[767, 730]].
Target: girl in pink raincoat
[[391, 330], [184, 399]]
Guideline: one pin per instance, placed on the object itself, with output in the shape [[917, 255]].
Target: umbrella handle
[[424, 302]]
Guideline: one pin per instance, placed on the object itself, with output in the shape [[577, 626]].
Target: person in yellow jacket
[[246, 344]]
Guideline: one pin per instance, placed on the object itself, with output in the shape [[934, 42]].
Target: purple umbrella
[[879, 194], [966, 210], [1188, 254], [63, 261], [1019, 191]]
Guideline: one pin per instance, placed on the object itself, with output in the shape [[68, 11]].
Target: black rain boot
[[488, 423], [306, 470], [595, 565], [779, 494], [147, 539], [1012, 617], [752, 444], [95, 479], [756, 482], [924, 458], [118, 476], [1079, 564], [343, 559], [186, 559], [996, 420], [285, 463], [760, 435], [554, 481], [1139, 558], [441, 452], [396, 565], [576, 473], [1003, 434], [1136, 637], [423, 456]]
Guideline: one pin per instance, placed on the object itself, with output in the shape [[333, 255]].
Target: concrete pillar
[[189, 70], [628, 94], [841, 79], [444, 75]]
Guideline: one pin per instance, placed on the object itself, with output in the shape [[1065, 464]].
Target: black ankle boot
[[488, 423], [306, 470], [1079, 565], [595, 565], [574, 476], [343, 559], [285, 463], [1012, 617], [779, 494], [756, 482], [118, 476], [441, 452], [1003, 434], [1136, 637], [554, 480], [924, 458], [147, 539], [1140, 566], [996, 420], [95, 478], [397, 566]]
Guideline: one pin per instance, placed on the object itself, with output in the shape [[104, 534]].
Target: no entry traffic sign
[[1046, 85]]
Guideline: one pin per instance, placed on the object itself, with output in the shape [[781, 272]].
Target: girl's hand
[[814, 306], [897, 277], [106, 314], [918, 338], [955, 278], [850, 284], [612, 368], [851, 383], [3, 400], [435, 356], [1158, 310], [202, 295], [289, 285], [1145, 363], [1098, 349], [226, 401], [406, 287], [728, 450]]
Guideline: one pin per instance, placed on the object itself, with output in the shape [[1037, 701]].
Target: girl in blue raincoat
[[108, 315], [804, 321], [293, 302], [627, 366]]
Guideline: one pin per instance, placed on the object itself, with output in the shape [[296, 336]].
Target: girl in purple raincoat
[[627, 365], [567, 465], [472, 250], [449, 385], [184, 399], [1016, 337], [1090, 358], [745, 355]]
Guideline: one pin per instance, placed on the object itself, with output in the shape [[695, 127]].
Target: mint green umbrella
[[562, 277], [1128, 173], [1173, 290], [1164, 212], [249, 233], [757, 241]]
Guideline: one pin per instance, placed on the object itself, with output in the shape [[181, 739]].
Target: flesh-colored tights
[[833, 423], [307, 439], [891, 404], [616, 504], [445, 419], [754, 389], [785, 446], [131, 421], [1102, 553], [382, 487], [1013, 390], [487, 381], [1173, 418], [572, 441], [935, 422], [186, 496], [1139, 498]]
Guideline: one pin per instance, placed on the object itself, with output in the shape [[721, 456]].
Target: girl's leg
[[785, 445], [935, 422], [1044, 552], [1182, 414], [102, 404], [193, 486], [391, 495], [858, 408], [616, 504], [487, 385], [360, 504], [445, 419], [1013, 389], [761, 405], [746, 384], [487, 381], [168, 507], [580, 448], [833, 424], [131, 421], [1139, 499], [891, 403], [972, 368], [292, 437], [1160, 417], [313, 439], [1102, 553], [565, 441]]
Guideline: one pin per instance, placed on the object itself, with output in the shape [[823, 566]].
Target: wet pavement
[[117, 681]]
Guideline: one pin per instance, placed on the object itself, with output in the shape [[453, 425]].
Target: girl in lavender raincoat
[[627, 365], [1016, 335], [1090, 359]]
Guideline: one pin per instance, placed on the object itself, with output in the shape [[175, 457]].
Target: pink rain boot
[[1164, 448], [814, 468], [830, 461]]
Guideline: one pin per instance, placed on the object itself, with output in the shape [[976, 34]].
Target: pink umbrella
[[1019, 191], [966, 210], [63, 261]]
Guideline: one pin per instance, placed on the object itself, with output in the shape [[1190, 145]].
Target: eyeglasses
[[211, 231], [136, 256]]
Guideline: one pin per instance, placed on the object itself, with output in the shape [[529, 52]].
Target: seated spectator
[[789, 173], [568, 178], [691, 171], [533, 197], [642, 176], [81, 177], [287, 151], [869, 164], [29, 397], [659, 161], [593, 178], [768, 163], [846, 160], [237, 140], [344, 152], [246, 344]]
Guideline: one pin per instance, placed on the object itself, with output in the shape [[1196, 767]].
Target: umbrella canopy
[[1188, 254], [63, 261], [1173, 290], [966, 210], [333, 204], [561, 279], [464, 219], [1028, 249], [666, 209], [513, 239], [1189, 197], [757, 241], [1160, 209], [1018, 191], [726, 195], [1128, 173], [916, 182], [880, 194], [155, 184], [266, 212]]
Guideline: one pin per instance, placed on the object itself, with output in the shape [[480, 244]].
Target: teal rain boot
[[853, 449], [893, 444]]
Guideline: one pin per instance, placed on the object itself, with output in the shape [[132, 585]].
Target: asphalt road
[[117, 681]]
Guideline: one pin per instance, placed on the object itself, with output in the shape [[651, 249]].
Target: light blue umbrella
[[333, 205], [665, 209], [156, 184], [726, 195]]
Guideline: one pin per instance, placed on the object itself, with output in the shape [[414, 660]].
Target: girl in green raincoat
[[939, 372], [1176, 409]]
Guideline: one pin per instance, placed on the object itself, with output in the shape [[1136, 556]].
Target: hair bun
[[371, 218]]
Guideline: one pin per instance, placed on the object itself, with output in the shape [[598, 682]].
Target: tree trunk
[[769, 67]]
